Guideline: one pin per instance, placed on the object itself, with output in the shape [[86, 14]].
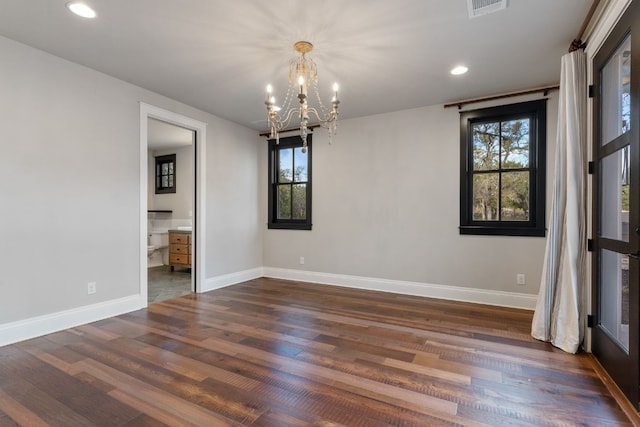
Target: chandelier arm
[[325, 118], [282, 123]]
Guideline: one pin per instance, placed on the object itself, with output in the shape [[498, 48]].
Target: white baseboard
[[218, 282], [455, 293], [37, 326]]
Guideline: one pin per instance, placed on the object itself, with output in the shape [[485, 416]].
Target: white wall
[[70, 186], [386, 206]]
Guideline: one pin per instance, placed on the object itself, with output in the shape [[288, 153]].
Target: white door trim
[[149, 111]]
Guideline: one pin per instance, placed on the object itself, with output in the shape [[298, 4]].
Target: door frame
[[148, 111]]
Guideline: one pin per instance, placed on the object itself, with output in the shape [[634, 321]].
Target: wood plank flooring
[[279, 353]]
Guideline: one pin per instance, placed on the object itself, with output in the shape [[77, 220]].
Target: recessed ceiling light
[[81, 9], [460, 69]]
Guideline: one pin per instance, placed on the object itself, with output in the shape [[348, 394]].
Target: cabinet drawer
[[179, 259], [179, 238], [176, 248]]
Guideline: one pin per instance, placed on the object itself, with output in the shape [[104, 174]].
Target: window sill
[[288, 226], [483, 230]]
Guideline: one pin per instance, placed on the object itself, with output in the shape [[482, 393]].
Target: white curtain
[[559, 314]]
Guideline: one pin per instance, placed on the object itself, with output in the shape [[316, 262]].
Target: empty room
[[331, 213]]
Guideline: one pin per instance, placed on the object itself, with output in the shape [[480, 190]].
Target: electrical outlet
[[301, 260], [91, 288], [520, 279]]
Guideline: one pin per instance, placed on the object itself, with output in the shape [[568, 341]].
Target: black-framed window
[[502, 170], [166, 174], [290, 184]]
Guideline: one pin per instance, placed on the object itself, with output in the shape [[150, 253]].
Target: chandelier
[[303, 85]]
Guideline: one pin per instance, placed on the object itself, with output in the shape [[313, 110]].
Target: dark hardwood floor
[[278, 353]]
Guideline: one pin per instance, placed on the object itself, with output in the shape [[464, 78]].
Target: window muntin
[[502, 170]]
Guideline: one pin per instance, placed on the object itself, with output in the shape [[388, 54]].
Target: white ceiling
[[218, 55], [162, 135]]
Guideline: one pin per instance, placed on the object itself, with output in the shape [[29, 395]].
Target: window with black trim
[[166, 174], [502, 170], [290, 184]]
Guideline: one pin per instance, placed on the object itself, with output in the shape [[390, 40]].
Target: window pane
[[616, 99], [515, 196], [165, 168], [285, 160], [515, 144], [165, 181], [171, 167], [284, 202], [170, 180], [486, 146], [300, 171], [485, 197], [299, 201], [614, 195], [613, 307]]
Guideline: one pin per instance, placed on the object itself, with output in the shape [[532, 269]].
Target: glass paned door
[[616, 194]]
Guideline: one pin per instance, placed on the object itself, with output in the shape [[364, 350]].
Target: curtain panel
[[559, 313]]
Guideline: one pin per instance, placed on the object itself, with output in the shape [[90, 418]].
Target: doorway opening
[[172, 204]]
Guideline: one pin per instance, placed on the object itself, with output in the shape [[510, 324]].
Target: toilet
[[158, 247]]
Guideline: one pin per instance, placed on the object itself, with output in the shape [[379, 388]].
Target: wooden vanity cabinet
[[179, 249]]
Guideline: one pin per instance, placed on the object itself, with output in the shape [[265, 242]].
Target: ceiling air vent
[[482, 7]]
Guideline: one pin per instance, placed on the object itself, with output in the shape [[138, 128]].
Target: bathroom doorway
[[197, 213], [170, 203]]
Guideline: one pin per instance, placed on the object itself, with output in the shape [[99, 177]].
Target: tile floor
[[164, 284]]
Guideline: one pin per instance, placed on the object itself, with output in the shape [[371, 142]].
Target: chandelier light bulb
[[335, 87], [269, 90]]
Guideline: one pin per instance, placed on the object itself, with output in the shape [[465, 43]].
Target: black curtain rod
[[577, 43], [544, 90], [310, 127]]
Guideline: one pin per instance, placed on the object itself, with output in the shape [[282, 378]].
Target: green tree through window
[[500, 165]]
